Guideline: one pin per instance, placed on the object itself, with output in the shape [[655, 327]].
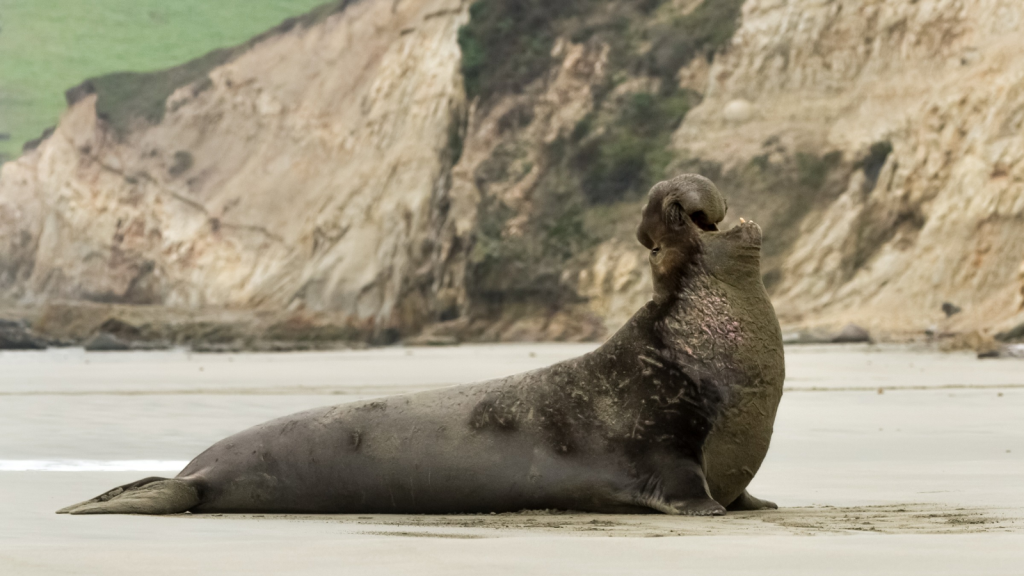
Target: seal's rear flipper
[[147, 496]]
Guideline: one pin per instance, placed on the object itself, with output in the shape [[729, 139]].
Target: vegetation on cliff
[[507, 44], [49, 46], [127, 97], [611, 157]]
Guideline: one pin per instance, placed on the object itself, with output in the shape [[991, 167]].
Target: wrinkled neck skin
[[719, 288]]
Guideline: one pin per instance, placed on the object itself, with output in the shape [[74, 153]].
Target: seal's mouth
[[745, 233], [700, 220], [688, 208]]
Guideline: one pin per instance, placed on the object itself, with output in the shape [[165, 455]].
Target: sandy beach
[[892, 460]]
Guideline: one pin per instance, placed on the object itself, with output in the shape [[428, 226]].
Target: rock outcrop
[[18, 336], [926, 99], [372, 165], [305, 171]]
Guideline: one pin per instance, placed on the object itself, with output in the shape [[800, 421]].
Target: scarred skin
[[689, 385], [726, 314]]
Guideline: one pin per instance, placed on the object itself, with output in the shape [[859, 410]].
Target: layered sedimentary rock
[[336, 166], [304, 172], [878, 143], [926, 99]]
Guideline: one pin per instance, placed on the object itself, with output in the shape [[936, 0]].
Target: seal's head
[[679, 225]]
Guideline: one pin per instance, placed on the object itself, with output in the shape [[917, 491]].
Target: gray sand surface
[[885, 460]]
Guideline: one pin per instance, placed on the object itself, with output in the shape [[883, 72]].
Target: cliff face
[[336, 165], [926, 99], [304, 171], [561, 159], [878, 143]]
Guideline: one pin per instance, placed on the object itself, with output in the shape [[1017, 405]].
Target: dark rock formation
[[18, 336], [851, 333]]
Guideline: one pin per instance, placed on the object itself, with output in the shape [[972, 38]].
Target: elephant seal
[[672, 414]]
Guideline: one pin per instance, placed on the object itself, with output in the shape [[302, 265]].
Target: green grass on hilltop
[[49, 46]]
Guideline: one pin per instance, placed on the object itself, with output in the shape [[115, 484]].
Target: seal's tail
[[146, 496]]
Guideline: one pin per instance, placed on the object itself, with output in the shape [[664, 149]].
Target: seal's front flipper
[[745, 502], [680, 488], [696, 507], [148, 496]]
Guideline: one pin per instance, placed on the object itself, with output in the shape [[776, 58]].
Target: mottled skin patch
[[690, 384]]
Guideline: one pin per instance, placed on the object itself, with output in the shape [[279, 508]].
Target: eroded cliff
[[304, 170], [925, 103], [395, 165], [878, 143]]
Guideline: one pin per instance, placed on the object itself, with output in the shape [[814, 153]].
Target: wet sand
[[884, 459]]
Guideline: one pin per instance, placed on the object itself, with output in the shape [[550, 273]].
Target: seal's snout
[[698, 198], [675, 203], [673, 225]]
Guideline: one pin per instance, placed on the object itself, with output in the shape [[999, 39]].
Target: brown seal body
[[739, 442], [622, 429]]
